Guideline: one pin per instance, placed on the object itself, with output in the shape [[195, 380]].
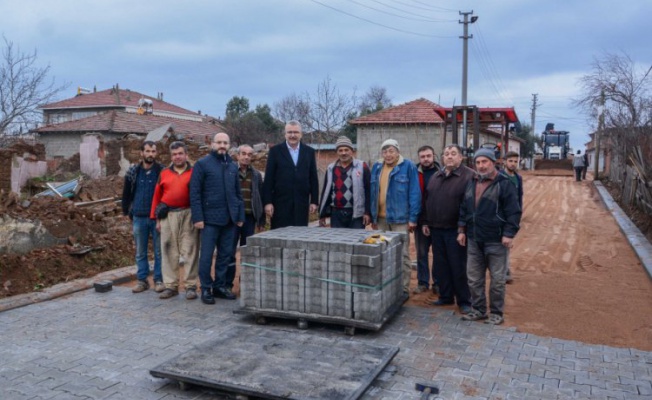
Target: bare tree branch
[[23, 87]]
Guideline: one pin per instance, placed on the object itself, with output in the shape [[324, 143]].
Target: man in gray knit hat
[[345, 195], [489, 219]]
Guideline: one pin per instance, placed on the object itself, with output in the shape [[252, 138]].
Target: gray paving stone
[[102, 348]]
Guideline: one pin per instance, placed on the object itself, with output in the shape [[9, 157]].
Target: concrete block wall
[[409, 137], [319, 271]]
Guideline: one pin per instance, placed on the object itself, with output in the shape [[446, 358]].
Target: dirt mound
[[98, 237]]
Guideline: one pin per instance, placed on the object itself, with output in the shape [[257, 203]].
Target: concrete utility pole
[[465, 68], [534, 110], [597, 136]]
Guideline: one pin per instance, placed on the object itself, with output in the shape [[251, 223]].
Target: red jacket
[[172, 189]]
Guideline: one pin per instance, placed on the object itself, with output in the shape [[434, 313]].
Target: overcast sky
[[202, 53]]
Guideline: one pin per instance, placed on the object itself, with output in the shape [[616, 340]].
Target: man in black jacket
[[489, 220], [137, 194], [291, 187], [216, 206]]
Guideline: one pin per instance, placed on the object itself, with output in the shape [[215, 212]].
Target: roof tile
[[420, 111]]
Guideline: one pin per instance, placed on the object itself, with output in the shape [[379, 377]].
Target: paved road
[[90, 345]]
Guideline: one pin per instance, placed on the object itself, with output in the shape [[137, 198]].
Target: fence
[[634, 177]]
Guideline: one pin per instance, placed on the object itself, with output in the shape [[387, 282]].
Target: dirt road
[[575, 275]]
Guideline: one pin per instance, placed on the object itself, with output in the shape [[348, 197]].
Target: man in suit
[[291, 187]]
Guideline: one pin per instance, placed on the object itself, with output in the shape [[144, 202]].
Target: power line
[[379, 24], [397, 9], [399, 16], [428, 6]]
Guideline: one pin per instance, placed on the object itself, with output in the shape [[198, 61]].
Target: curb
[[120, 275], [635, 237]]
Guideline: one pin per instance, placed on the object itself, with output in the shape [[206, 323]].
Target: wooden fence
[[635, 179]]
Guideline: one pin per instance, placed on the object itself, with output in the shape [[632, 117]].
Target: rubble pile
[[93, 237]]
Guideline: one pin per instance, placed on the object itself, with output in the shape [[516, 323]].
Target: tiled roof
[[125, 122], [112, 98], [420, 111]]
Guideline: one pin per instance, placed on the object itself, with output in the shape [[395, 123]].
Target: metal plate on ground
[[280, 364]]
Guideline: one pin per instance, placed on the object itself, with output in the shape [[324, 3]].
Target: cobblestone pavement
[[90, 345]]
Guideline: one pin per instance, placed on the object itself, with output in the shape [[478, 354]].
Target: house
[[114, 114], [422, 122], [413, 124], [86, 104]]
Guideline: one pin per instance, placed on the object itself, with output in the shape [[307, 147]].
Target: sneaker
[[159, 287], [495, 319], [141, 286], [465, 309], [167, 293], [474, 315], [420, 289], [191, 293]]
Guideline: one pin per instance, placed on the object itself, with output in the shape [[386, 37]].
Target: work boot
[[191, 293], [141, 286], [168, 293], [159, 287]]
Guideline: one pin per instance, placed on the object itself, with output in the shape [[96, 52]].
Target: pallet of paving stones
[[323, 275]]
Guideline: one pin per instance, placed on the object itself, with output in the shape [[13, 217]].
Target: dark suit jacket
[[291, 189]]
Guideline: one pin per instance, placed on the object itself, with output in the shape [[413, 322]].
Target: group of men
[[469, 218]]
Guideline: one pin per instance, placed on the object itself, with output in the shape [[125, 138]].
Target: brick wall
[[409, 137]]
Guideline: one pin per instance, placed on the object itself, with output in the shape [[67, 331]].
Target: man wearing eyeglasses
[[291, 188]]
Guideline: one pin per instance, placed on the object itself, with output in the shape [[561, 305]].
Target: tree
[[244, 126], [375, 99], [624, 88], [329, 111], [528, 148], [293, 107], [23, 87]]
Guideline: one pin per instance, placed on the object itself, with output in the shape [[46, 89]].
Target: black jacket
[[291, 189], [498, 213]]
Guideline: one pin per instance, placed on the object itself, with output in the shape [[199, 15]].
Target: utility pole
[[598, 134], [533, 116], [534, 110], [465, 68]]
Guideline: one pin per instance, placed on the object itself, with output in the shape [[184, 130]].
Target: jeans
[[240, 235], [143, 228], [483, 256], [450, 259], [343, 218], [423, 245], [407, 264], [221, 237]]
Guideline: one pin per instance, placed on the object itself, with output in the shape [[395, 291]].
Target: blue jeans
[[423, 245], [343, 218], [143, 228], [240, 234], [483, 257], [221, 237], [450, 259]]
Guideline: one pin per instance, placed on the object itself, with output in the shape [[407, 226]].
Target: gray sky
[[202, 53]]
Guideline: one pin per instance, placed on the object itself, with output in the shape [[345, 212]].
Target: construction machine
[[556, 148]]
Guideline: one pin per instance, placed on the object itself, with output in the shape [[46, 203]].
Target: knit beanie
[[490, 154], [343, 141], [390, 142]]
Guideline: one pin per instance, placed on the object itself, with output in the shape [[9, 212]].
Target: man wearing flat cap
[[489, 219], [345, 195], [395, 198]]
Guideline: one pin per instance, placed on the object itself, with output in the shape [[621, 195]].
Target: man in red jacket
[[171, 209]]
